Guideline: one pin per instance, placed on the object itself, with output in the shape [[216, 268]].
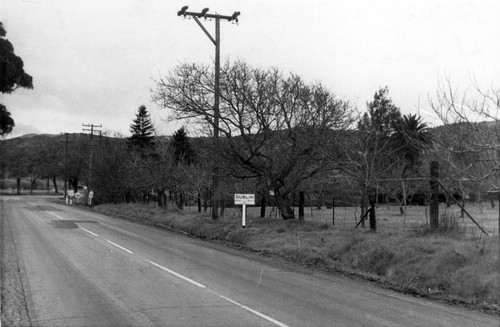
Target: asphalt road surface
[[86, 269]]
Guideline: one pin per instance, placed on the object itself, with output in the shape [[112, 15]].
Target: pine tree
[[181, 147], [142, 130], [382, 115]]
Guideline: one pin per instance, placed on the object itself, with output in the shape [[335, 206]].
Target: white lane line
[[53, 214], [86, 230], [176, 274], [120, 247], [255, 312]]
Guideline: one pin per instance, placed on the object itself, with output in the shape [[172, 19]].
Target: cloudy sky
[[94, 61]]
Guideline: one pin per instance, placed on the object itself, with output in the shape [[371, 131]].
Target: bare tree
[[272, 126], [369, 149], [386, 146], [367, 159], [469, 141]]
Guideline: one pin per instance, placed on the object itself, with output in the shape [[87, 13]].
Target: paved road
[[86, 269]]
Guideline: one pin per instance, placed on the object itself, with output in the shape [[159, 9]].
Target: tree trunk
[[222, 208], [199, 202], [402, 207], [54, 182], [319, 201], [18, 182], [180, 202], [159, 197], [364, 203], [283, 204], [74, 183], [205, 205]]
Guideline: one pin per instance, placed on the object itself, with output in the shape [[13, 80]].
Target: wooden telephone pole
[[93, 128], [216, 41], [66, 141]]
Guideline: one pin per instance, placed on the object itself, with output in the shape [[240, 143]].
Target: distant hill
[[32, 141], [442, 131], [29, 143], [27, 136]]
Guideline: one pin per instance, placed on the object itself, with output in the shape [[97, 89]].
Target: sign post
[[78, 195], [91, 195], [244, 200], [71, 194]]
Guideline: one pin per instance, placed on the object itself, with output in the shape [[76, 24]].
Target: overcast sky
[[94, 61]]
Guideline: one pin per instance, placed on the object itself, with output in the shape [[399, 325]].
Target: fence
[[390, 219], [401, 205]]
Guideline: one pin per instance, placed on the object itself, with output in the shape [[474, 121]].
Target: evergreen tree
[[6, 121], [382, 115], [181, 147], [142, 130], [12, 76]]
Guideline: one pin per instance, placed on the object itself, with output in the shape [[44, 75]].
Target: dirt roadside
[[14, 305]]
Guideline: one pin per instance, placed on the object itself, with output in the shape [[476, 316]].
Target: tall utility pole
[[66, 164], [204, 14], [93, 128]]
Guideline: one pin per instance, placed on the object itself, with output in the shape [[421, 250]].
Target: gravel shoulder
[[14, 303]]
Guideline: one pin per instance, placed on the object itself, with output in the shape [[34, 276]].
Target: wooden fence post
[[434, 205], [373, 219], [333, 211], [263, 205], [199, 202]]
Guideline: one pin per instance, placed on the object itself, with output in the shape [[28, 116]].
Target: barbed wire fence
[[394, 211], [401, 206], [404, 205]]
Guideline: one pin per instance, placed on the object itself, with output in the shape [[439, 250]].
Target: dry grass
[[389, 217], [448, 262]]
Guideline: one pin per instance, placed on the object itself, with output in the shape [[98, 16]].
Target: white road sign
[[244, 199]]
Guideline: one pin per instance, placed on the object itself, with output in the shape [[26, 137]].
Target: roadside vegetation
[[443, 264]]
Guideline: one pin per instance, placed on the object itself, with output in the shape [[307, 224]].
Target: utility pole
[[204, 14], [66, 141], [93, 128], [434, 183]]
